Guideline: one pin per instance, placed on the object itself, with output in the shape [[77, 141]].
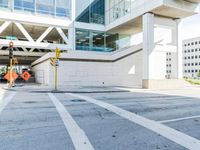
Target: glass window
[[45, 7], [98, 41], [85, 16], [63, 8], [4, 3], [82, 39], [118, 8], [95, 13], [111, 41], [26, 5]]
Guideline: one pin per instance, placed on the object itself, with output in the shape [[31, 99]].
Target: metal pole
[[56, 78], [11, 68]]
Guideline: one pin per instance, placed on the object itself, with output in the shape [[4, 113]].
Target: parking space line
[[78, 136], [167, 132], [179, 119], [4, 101]]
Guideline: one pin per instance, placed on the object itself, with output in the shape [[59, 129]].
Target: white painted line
[[78, 136], [4, 101], [179, 119], [167, 132]]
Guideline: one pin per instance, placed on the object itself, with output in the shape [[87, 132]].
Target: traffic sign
[[15, 61], [26, 76], [9, 75], [58, 53], [11, 38], [11, 44], [52, 61], [56, 62]]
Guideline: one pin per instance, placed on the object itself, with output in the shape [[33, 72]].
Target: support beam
[[179, 53], [24, 32], [20, 53], [48, 30], [71, 37], [28, 44], [24, 49], [148, 43], [62, 34], [4, 26]]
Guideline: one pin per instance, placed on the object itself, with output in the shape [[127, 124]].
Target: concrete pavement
[[35, 119]]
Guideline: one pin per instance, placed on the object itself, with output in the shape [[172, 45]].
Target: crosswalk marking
[[167, 132], [78, 136], [4, 101], [179, 119]]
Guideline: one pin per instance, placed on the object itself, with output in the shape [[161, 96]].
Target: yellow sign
[[52, 61], [58, 53], [15, 61]]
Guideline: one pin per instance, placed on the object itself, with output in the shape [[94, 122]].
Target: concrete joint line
[[78, 136], [167, 132], [5, 101]]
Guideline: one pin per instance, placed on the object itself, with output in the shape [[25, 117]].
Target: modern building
[[97, 38], [191, 57]]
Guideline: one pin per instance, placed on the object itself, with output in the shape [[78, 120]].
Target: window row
[[168, 65], [192, 50], [192, 71], [168, 59], [192, 64], [192, 43], [192, 57], [169, 71], [59, 8], [100, 41]]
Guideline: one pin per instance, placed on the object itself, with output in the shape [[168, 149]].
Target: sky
[[191, 27]]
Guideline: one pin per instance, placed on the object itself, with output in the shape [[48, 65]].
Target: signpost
[[55, 63], [11, 44]]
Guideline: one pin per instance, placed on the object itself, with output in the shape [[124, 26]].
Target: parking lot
[[33, 118]]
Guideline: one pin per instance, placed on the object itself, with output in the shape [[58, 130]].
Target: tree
[[198, 74]]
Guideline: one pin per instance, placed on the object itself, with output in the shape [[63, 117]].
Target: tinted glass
[[95, 13]]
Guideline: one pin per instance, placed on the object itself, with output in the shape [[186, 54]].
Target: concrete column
[[72, 37], [179, 49], [154, 58], [73, 10], [148, 43], [71, 30], [177, 57]]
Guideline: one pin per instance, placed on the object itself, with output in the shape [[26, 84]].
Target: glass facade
[[118, 8], [26, 5], [4, 3], [94, 13], [100, 41], [57, 8]]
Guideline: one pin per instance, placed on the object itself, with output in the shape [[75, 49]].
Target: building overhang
[[166, 8], [32, 19]]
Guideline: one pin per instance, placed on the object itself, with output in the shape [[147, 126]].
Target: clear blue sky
[[191, 27]]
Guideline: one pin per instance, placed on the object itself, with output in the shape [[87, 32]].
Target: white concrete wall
[[42, 73], [124, 72]]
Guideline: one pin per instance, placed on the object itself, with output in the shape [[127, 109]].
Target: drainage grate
[[30, 102], [78, 100]]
